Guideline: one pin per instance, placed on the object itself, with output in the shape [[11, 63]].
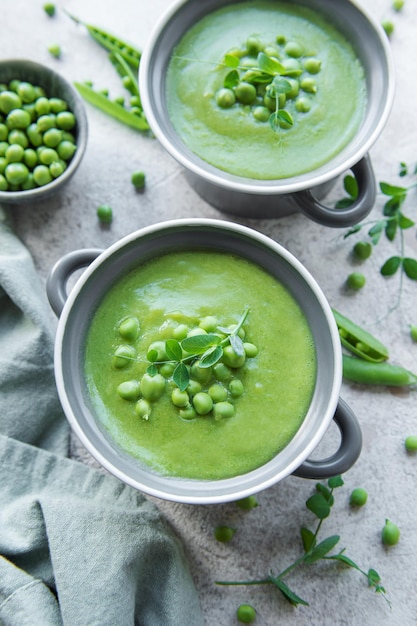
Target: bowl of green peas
[[43, 131]]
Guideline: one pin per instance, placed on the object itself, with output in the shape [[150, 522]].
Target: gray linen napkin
[[77, 546]]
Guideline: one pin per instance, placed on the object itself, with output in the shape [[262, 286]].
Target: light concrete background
[[267, 537]]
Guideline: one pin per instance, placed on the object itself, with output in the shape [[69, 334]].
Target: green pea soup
[[325, 109], [181, 289]]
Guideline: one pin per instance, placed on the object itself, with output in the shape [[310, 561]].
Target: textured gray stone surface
[[268, 537]]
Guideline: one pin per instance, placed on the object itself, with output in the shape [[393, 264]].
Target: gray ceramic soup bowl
[[276, 198], [105, 268], [54, 85]]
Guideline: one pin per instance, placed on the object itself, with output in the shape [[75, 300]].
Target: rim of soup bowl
[[194, 491], [343, 161]]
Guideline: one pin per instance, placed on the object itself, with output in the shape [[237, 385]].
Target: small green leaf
[[376, 231], [281, 85], [391, 266], [211, 356], [318, 505], [351, 186], [308, 538], [392, 190], [231, 60], [405, 222], [335, 481], [352, 231], [344, 203], [199, 343], [373, 578], [403, 169], [152, 370], [322, 549], [173, 350], [391, 229], [410, 268], [392, 206], [181, 376], [237, 344], [256, 76], [231, 79], [344, 559], [285, 117], [269, 65], [287, 593], [152, 355], [326, 493]]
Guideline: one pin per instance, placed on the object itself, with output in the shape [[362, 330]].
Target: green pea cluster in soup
[[276, 80], [37, 136], [198, 367]]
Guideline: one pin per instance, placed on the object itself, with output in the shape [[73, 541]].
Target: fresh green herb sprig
[[207, 349], [320, 504]]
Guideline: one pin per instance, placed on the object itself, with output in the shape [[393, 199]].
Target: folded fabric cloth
[[77, 546]]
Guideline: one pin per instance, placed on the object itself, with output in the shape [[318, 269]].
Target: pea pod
[[359, 341], [124, 71], [112, 108], [365, 372], [112, 43]]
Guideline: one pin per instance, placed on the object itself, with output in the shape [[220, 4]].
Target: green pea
[[3, 147], [188, 412], [358, 497], [223, 410], [3, 164], [30, 158], [261, 113], [55, 50], [180, 332], [16, 173], [42, 106], [411, 443], [67, 136], [18, 136], [271, 51], [253, 45], [56, 168], [295, 89], [129, 328], [65, 120], [390, 534], [42, 175], [312, 65], [293, 49], [14, 85], [129, 390], [281, 40], [48, 156], [152, 387], [225, 98], [217, 392], [303, 105], [4, 185], [362, 249], [180, 398], [201, 374], [413, 332], [355, 281], [193, 387], [291, 64], [14, 153], [52, 137], [105, 213], [309, 85], [167, 369], [246, 614], [222, 372], [232, 359], [160, 348], [250, 349], [123, 356], [245, 93], [30, 108], [143, 408], [397, 5], [4, 132], [269, 102], [388, 27], [9, 100], [248, 503], [26, 92], [236, 388], [202, 403], [29, 183], [49, 9], [66, 150], [34, 135], [39, 92], [138, 180], [45, 122], [224, 533], [208, 323]]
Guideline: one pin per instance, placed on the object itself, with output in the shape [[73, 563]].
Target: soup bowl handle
[[345, 456], [57, 281], [348, 216]]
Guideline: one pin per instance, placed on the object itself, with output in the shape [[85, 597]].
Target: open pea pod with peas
[[371, 368]]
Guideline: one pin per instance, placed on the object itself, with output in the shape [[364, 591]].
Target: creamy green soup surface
[[175, 292], [325, 107]]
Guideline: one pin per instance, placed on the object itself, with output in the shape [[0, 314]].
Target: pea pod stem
[[111, 43], [365, 372], [112, 108]]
